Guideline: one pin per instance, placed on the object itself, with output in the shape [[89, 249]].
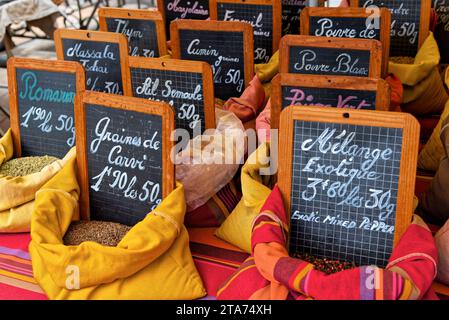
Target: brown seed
[[103, 232], [24, 166]]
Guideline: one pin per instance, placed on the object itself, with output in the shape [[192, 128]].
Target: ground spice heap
[[403, 60], [24, 166], [326, 265], [102, 232]]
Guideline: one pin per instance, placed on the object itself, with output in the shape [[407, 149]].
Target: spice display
[[24, 166], [325, 265], [403, 60], [105, 233]]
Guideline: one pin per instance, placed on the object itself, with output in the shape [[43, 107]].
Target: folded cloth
[[152, 261], [271, 274], [246, 107]]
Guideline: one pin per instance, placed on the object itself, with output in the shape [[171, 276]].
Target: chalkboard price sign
[[186, 85], [123, 155], [409, 23], [327, 91], [442, 28], [263, 15], [182, 9], [349, 23], [42, 96], [330, 56], [348, 181], [226, 46], [143, 28], [102, 54], [291, 11]]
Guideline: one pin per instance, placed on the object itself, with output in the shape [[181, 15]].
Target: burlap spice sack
[[431, 154], [434, 203], [442, 243], [424, 91], [20, 179]]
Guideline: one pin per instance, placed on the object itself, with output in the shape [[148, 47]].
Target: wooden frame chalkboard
[[345, 45], [378, 87], [63, 67], [291, 11], [424, 19], [347, 13], [441, 32], [404, 157], [276, 29], [217, 26], [185, 9], [152, 16], [181, 66], [117, 102], [95, 36]]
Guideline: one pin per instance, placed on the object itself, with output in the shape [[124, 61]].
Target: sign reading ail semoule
[[347, 181], [42, 94], [186, 85], [123, 155]]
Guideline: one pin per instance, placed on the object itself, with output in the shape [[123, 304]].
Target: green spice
[[326, 265], [105, 233], [24, 166]]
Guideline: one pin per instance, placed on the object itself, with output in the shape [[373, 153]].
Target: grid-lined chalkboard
[[405, 22], [442, 28], [291, 11], [118, 192], [45, 111], [344, 191], [183, 9], [260, 17], [141, 34], [182, 90], [224, 51], [329, 61], [343, 27], [328, 97], [101, 61]]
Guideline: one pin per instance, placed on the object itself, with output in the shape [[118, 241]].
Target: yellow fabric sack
[[236, 229], [17, 193], [153, 260], [266, 71], [424, 91], [430, 156]]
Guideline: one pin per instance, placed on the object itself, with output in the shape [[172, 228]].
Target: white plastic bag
[[212, 159]]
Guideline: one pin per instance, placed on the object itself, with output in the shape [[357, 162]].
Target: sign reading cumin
[[347, 181], [409, 23], [327, 91], [182, 9], [186, 85], [263, 15], [226, 46], [42, 96], [123, 155], [102, 54], [143, 28], [350, 23], [330, 56]]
